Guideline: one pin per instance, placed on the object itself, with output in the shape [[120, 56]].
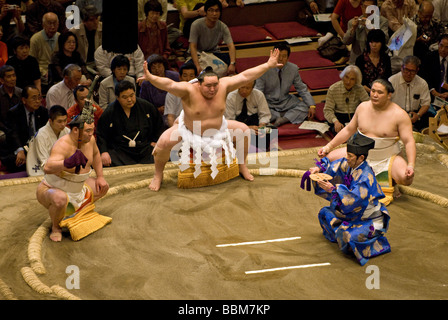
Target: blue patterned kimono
[[355, 219]]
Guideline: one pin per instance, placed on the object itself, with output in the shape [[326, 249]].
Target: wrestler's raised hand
[[147, 74], [273, 59], [76, 160]]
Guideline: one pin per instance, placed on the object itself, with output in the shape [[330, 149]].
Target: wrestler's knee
[[58, 198]]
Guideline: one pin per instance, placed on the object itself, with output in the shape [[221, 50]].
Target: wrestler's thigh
[[238, 129], [48, 196], [337, 154], [398, 170], [169, 138], [234, 125]]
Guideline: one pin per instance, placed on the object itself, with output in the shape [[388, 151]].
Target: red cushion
[[247, 63], [309, 59], [319, 79], [292, 130], [319, 115], [285, 30], [248, 33]]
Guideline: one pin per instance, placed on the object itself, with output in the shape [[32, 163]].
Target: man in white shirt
[[256, 113], [62, 92], [41, 144], [249, 105], [412, 92]]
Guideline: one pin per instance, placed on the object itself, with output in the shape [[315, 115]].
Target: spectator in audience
[[62, 92], [207, 33], [89, 34], [80, 94], [25, 65], [276, 84], [374, 63], [25, 119], [173, 104], [434, 69], [98, 4], [128, 129], [141, 9], [40, 146], [428, 29], [44, 43], [189, 9], [343, 97], [9, 94], [159, 67], [357, 31], [342, 13], [248, 105], [199, 7], [153, 33], [120, 68], [3, 49], [412, 92], [37, 11], [104, 58], [395, 10], [10, 21], [441, 11], [67, 54]]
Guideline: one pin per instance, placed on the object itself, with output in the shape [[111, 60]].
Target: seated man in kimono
[[355, 218]]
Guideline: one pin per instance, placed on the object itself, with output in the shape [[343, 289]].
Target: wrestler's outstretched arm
[[179, 89], [252, 74]]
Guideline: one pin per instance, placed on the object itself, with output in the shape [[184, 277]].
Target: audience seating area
[[258, 27]]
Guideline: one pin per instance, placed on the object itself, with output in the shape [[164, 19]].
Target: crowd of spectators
[[43, 64]]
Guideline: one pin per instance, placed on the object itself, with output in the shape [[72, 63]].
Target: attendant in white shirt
[[412, 92], [41, 144]]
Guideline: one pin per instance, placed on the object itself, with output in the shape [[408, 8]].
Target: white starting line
[[288, 268], [256, 242]]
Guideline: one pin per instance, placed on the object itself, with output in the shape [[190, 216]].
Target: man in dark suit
[[434, 69], [24, 120]]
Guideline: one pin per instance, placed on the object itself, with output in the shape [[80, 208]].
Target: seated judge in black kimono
[[128, 129]]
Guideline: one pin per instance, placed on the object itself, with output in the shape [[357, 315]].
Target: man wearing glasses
[[207, 33], [412, 92]]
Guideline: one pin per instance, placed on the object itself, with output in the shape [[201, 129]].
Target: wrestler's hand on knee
[[76, 160], [101, 185], [409, 172]]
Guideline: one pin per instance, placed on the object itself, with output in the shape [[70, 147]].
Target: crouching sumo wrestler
[[67, 189]]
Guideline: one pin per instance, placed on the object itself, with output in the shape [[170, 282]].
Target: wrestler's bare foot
[[244, 172], [56, 234], [156, 182]]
